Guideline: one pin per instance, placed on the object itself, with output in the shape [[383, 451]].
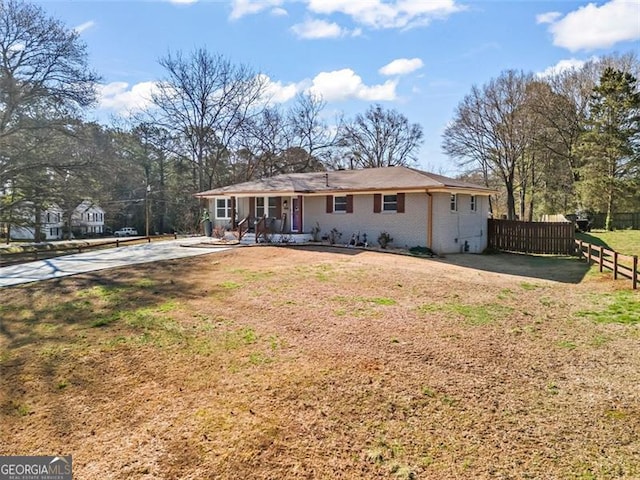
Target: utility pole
[[146, 209]]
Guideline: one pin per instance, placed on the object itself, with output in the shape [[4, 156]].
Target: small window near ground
[[340, 204], [223, 208], [454, 202], [390, 203], [474, 204]]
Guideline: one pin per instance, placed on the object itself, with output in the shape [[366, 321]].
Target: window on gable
[[389, 203], [340, 204], [454, 202], [474, 203], [223, 208]]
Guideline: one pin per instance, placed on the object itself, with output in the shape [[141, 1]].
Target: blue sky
[[420, 57]]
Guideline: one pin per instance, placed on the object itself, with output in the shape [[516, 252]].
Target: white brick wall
[[452, 229], [407, 229]]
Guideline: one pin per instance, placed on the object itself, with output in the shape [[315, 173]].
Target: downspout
[[430, 221]]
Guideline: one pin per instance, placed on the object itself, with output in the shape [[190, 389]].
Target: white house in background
[[416, 208], [87, 218]]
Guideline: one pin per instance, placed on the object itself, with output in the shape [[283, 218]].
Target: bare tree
[[44, 83], [379, 138], [490, 129], [207, 100], [43, 67]]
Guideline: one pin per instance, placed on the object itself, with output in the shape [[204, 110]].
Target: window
[[454, 202], [474, 204], [389, 203], [266, 206], [223, 208], [340, 204]]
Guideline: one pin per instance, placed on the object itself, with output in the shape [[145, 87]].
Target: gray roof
[[336, 181]]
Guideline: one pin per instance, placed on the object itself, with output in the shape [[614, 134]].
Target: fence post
[[601, 259], [615, 265], [634, 273], [148, 239], [589, 253], [117, 242]]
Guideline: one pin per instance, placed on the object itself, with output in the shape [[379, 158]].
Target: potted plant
[[205, 220]]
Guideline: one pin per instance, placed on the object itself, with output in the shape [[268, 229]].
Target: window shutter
[[329, 203], [377, 203], [252, 207], [349, 203], [400, 200], [278, 207]]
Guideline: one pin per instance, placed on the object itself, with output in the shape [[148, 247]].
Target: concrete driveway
[[103, 259]]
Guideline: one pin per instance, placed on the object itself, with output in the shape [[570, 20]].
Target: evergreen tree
[[610, 146]]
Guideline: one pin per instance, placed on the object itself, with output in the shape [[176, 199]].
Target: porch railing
[[243, 227], [262, 229]]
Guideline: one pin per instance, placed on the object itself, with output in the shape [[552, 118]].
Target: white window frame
[[453, 202], [226, 208], [340, 204], [269, 205], [473, 203], [390, 206]]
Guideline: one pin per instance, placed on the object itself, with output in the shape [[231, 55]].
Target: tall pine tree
[[610, 146]]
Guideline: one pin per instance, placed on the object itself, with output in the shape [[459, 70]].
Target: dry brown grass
[[293, 363]]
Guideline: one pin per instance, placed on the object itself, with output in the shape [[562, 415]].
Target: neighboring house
[[416, 208], [51, 224], [87, 219]]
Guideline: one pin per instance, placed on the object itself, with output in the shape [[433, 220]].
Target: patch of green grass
[[505, 294], [599, 340], [529, 286], [259, 358], [62, 384], [145, 283], [472, 314], [229, 285], [103, 321], [382, 301], [568, 344], [622, 306], [428, 392], [22, 409], [626, 242], [553, 389]]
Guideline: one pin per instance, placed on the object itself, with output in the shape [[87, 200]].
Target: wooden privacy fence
[[625, 265], [552, 238]]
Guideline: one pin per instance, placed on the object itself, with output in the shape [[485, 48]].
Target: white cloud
[[183, 2], [378, 14], [591, 26], [277, 92], [314, 29], [561, 66], [346, 84], [401, 66], [279, 12], [117, 96], [240, 8], [548, 17], [84, 26]]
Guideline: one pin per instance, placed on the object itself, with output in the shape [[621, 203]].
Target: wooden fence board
[[532, 237], [611, 260]]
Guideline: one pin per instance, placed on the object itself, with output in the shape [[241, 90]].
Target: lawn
[[626, 242], [285, 363]]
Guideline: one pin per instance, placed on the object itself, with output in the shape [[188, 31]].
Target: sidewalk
[[102, 259]]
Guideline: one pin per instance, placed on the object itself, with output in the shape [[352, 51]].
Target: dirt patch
[[304, 363]]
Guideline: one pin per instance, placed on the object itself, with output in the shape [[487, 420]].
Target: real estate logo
[[35, 468]]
